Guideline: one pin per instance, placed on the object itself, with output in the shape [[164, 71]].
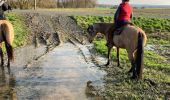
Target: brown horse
[[7, 36], [132, 39], [102, 28]]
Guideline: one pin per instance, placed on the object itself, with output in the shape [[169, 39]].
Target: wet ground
[[62, 74]]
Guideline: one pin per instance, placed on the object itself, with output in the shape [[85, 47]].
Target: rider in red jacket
[[123, 14], [122, 17]]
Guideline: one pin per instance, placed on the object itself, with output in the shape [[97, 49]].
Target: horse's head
[[9, 7], [91, 33]]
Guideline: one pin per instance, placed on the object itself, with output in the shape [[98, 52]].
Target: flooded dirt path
[[61, 74]]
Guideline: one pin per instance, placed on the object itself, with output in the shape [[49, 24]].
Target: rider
[[3, 7], [123, 14], [122, 17]]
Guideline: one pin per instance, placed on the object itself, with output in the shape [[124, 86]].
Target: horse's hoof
[[130, 71], [109, 45], [118, 65], [107, 64], [133, 77], [106, 44]]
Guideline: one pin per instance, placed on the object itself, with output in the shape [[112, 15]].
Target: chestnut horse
[[7, 36], [132, 38]]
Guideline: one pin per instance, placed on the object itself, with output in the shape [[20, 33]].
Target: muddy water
[[61, 74]]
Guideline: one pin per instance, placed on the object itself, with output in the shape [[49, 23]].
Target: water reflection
[[7, 83]]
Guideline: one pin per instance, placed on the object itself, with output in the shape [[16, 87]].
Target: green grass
[[149, 25], [20, 29], [156, 61]]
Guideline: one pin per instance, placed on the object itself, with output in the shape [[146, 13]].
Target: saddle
[[118, 31]]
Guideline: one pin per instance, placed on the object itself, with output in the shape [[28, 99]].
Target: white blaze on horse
[[7, 36], [132, 38]]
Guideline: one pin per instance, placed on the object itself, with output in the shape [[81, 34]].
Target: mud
[[51, 29]]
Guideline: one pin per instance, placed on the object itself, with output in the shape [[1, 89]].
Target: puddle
[[61, 74]]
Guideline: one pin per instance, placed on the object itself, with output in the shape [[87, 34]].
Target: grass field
[[149, 25], [154, 13]]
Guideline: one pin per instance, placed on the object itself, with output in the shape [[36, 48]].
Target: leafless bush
[[22, 4], [28, 4], [76, 3], [46, 3]]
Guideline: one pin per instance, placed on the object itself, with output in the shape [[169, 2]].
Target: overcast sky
[[148, 2]]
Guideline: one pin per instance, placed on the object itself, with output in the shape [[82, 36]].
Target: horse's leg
[[8, 65], [133, 65], [9, 50], [107, 39], [108, 56], [2, 56], [134, 70], [131, 69], [118, 62], [132, 59]]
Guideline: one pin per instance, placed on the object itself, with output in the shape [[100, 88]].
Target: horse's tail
[[8, 44], [139, 56]]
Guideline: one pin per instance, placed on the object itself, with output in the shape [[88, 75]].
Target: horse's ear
[[9, 7]]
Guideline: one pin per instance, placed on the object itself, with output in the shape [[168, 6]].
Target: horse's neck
[[102, 32], [103, 28]]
